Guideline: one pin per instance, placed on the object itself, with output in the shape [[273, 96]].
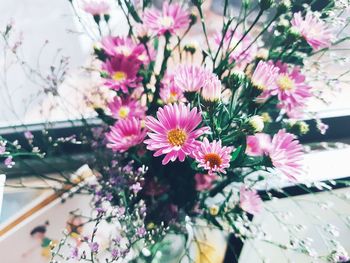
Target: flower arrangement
[[191, 130]]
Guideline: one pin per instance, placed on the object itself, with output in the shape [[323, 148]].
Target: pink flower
[[250, 201], [313, 29], [123, 73], [9, 162], [212, 156], [211, 90], [286, 154], [125, 134], [95, 7], [126, 108], [243, 53], [136, 187], [2, 148], [322, 127], [190, 78], [258, 144], [264, 76], [291, 89], [171, 19], [169, 92], [175, 132], [125, 46], [204, 181]]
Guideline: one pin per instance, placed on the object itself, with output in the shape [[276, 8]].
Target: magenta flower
[[125, 46], [125, 134], [169, 92], [249, 200], [313, 29], [243, 53], [258, 144], [291, 89], [204, 181], [212, 156], [171, 18], [175, 132], [95, 7], [264, 76], [123, 73], [126, 108], [286, 154], [190, 78]]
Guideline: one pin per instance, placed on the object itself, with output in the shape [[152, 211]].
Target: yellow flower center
[[119, 76], [177, 137], [123, 112], [214, 160], [172, 97], [284, 82], [166, 21]]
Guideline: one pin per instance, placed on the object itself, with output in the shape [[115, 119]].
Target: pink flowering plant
[[187, 125], [199, 126]]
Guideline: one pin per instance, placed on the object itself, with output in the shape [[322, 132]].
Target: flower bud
[[193, 19], [211, 91], [282, 25], [214, 210], [303, 127], [266, 117], [292, 35], [297, 127], [263, 54], [266, 4], [283, 7], [257, 123], [191, 47]]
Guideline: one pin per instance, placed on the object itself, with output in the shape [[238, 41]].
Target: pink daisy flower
[[249, 200], [292, 91], [264, 76], [258, 144], [212, 156], [190, 78], [126, 108], [125, 134], [242, 54], [169, 92], [95, 7], [123, 73], [204, 181], [286, 154], [125, 46], [175, 132], [171, 18], [313, 29]]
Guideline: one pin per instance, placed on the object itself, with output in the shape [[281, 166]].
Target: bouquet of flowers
[[189, 131]]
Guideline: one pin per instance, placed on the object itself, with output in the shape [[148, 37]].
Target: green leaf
[[133, 12], [236, 153]]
